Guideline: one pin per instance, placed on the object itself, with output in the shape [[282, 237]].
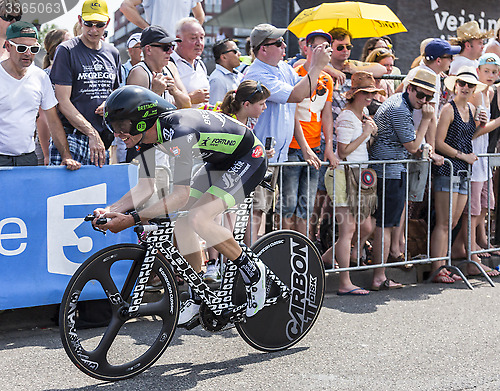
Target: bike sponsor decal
[[257, 152], [73, 336], [301, 308], [272, 244], [168, 289]]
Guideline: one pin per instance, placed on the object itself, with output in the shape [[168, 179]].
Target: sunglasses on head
[[462, 83], [258, 88], [23, 48], [165, 46], [279, 43], [99, 25], [421, 95], [10, 18], [342, 47]]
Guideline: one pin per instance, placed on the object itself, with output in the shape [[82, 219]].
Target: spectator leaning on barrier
[[134, 54], [287, 88], [313, 114], [225, 77], [85, 71], [397, 138], [10, 12], [25, 89], [471, 40], [164, 13], [187, 58]]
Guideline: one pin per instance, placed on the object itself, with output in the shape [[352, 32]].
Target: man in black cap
[[24, 90], [155, 72]]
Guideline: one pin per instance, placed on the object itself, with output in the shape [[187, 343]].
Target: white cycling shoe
[[256, 293], [189, 311]]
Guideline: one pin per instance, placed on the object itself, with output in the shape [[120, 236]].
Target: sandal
[[386, 286], [443, 278]]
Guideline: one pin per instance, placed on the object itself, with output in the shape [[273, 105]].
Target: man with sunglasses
[[397, 138], [225, 77], [10, 12], [85, 71], [155, 72], [26, 89]]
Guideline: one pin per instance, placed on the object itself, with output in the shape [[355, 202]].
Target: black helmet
[[137, 104]]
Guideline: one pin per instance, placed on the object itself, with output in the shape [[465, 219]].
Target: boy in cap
[[85, 71], [26, 89]]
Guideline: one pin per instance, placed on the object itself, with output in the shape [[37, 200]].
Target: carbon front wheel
[[297, 263], [124, 336]]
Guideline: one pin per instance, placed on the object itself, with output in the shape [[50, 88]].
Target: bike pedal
[[192, 323]]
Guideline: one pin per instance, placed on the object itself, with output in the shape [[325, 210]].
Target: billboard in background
[[43, 238]]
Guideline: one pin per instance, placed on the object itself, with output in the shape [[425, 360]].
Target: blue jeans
[[298, 194]]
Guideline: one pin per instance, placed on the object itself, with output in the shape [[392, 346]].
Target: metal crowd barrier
[[493, 161]]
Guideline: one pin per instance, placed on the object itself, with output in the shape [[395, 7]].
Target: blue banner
[[43, 238]]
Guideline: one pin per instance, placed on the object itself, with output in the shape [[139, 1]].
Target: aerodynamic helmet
[[137, 104]]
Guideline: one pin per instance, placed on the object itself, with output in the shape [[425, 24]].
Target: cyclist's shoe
[[256, 292], [189, 313], [212, 274]]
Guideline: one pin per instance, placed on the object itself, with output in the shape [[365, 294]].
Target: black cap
[[156, 34]]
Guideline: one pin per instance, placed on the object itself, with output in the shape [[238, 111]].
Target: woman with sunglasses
[[455, 130]]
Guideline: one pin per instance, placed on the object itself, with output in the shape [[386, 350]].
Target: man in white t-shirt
[[164, 13], [26, 89], [471, 41], [187, 58]]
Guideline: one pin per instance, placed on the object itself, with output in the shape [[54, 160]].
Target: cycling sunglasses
[[165, 46], [23, 48], [10, 18], [421, 95], [229, 51], [279, 43], [258, 88], [462, 83], [341, 47], [99, 25]]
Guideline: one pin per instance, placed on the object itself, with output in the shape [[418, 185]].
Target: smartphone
[[270, 142]]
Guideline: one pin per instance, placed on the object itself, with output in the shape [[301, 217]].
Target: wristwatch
[[135, 215]]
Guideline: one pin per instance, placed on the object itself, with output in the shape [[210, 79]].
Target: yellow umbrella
[[362, 20]]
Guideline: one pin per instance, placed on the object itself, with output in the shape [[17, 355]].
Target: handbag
[[368, 195]]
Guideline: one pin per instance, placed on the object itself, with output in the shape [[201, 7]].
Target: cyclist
[[235, 163]]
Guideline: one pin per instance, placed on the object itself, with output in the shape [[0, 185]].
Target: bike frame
[[158, 240]]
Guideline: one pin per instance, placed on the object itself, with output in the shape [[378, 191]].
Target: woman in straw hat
[[354, 128], [455, 129]]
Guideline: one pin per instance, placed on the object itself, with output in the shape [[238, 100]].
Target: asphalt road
[[422, 337]]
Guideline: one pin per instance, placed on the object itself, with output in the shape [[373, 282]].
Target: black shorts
[[395, 196], [232, 182]]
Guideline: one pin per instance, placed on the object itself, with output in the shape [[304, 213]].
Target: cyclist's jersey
[[234, 157]]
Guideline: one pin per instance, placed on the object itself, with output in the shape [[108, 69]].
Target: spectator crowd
[[319, 107]]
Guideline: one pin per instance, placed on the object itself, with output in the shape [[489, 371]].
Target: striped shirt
[[459, 136], [394, 120]]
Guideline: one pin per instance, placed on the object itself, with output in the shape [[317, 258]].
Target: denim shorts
[[298, 193], [442, 183]]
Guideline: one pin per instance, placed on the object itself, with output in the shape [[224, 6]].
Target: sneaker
[[213, 272], [256, 293], [189, 311]]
